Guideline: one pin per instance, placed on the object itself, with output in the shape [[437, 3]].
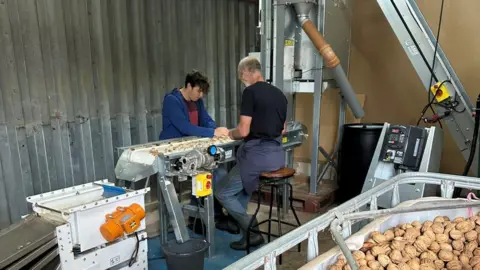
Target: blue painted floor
[[223, 257]]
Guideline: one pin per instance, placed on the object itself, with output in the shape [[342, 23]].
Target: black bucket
[[189, 255], [356, 151]]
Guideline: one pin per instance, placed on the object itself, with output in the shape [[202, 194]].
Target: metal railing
[[267, 254]]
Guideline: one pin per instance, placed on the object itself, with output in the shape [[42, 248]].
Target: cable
[[134, 256]]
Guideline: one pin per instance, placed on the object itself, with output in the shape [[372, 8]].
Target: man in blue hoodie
[[184, 115]]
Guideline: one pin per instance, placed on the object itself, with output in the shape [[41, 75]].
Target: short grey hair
[[250, 64]]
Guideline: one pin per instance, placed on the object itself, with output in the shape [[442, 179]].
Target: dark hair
[[195, 78]]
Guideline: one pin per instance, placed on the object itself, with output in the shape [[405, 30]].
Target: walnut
[[347, 267], [471, 246], [426, 225], [426, 261], [446, 218], [377, 250], [389, 234], [410, 235], [398, 243], [428, 241], [335, 267], [456, 234], [392, 267], [456, 252], [439, 219], [430, 234], [437, 227], [471, 235], [464, 259], [414, 264], [446, 246], [364, 267], [428, 255], [458, 220], [474, 260], [445, 255], [396, 256], [441, 238], [464, 226], [403, 266], [406, 226], [362, 262], [439, 264], [379, 238], [374, 265], [369, 256], [341, 262], [454, 265], [449, 227], [410, 251], [417, 224], [427, 266], [475, 267], [386, 247], [399, 232], [457, 245], [435, 247], [383, 259], [420, 245], [357, 255]]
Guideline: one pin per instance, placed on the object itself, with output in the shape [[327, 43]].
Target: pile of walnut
[[438, 244]]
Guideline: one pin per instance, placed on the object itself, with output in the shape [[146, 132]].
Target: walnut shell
[[389, 234], [446, 218], [437, 227], [410, 251], [426, 225], [384, 260], [458, 219], [474, 260], [446, 246], [456, 252], [406, 226], [357, 255], [414, 264], [399, 232], [379, 238], [410, 235], [392, 267], [456, 234], [445, 255], [403, 266], [420, 245], [439, 219], [362, 262], [427, 266], [398, 243], [396, 256], [464, 226], [417, 224], [471, 246], [364, 267], [449, 227], [374, 265], [464, 259], [428, 241], [441, 238], [369, 256], [428, 255], [454, 265], [439, 264], [471, 235], [458, 245], [377, 250], [435, 247], [347, 267], [335, 267], [430, 234], [475, 267], [341, 262]]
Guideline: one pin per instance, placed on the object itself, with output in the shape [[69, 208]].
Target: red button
[[209, 176], [208, 185]]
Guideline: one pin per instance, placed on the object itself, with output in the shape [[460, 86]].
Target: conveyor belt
[[25, 242]]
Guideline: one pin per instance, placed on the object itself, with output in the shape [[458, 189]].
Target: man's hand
[[221, 132]]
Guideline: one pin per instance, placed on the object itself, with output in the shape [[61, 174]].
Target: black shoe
[[255, 240], [225, 224]]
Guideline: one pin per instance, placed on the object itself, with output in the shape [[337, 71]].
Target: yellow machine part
[[202, 185], [442, 94]]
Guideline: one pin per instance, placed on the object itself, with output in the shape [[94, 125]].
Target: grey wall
[[79, 78]]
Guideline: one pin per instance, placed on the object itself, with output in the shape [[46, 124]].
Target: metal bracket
[[289, 2]]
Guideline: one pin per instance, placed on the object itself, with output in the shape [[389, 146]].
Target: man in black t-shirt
[[262, 122]]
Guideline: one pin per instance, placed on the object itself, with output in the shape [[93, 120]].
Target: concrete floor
[[292, 259]]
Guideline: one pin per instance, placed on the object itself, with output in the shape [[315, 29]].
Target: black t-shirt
[[267, 105]]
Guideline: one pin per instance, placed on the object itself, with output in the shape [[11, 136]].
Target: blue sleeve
[[173, 110], [207, 121]]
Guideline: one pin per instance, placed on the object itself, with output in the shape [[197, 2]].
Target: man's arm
[[172, 109], [284, 131], [246, 113], [206, 120]]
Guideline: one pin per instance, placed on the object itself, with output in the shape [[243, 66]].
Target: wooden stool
[[275, 180]]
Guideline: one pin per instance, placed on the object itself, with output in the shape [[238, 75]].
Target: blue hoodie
[[176, 122]]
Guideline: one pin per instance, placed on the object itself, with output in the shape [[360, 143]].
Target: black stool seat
[[276, 180]]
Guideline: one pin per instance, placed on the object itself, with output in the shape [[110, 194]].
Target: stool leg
[[293, 210], [278, 220], [272, 188], [259, 194]]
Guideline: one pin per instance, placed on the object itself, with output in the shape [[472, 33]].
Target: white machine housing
[[79, 212], [419, 148]]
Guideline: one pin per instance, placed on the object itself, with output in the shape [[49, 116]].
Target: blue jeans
[[217, 174], [231, 194]]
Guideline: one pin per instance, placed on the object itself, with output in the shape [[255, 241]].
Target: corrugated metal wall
[[79, 78]]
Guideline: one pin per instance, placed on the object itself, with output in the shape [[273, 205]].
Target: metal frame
[[266, 255], [418, 41]]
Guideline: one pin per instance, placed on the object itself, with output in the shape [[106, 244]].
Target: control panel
[[404, 146]]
